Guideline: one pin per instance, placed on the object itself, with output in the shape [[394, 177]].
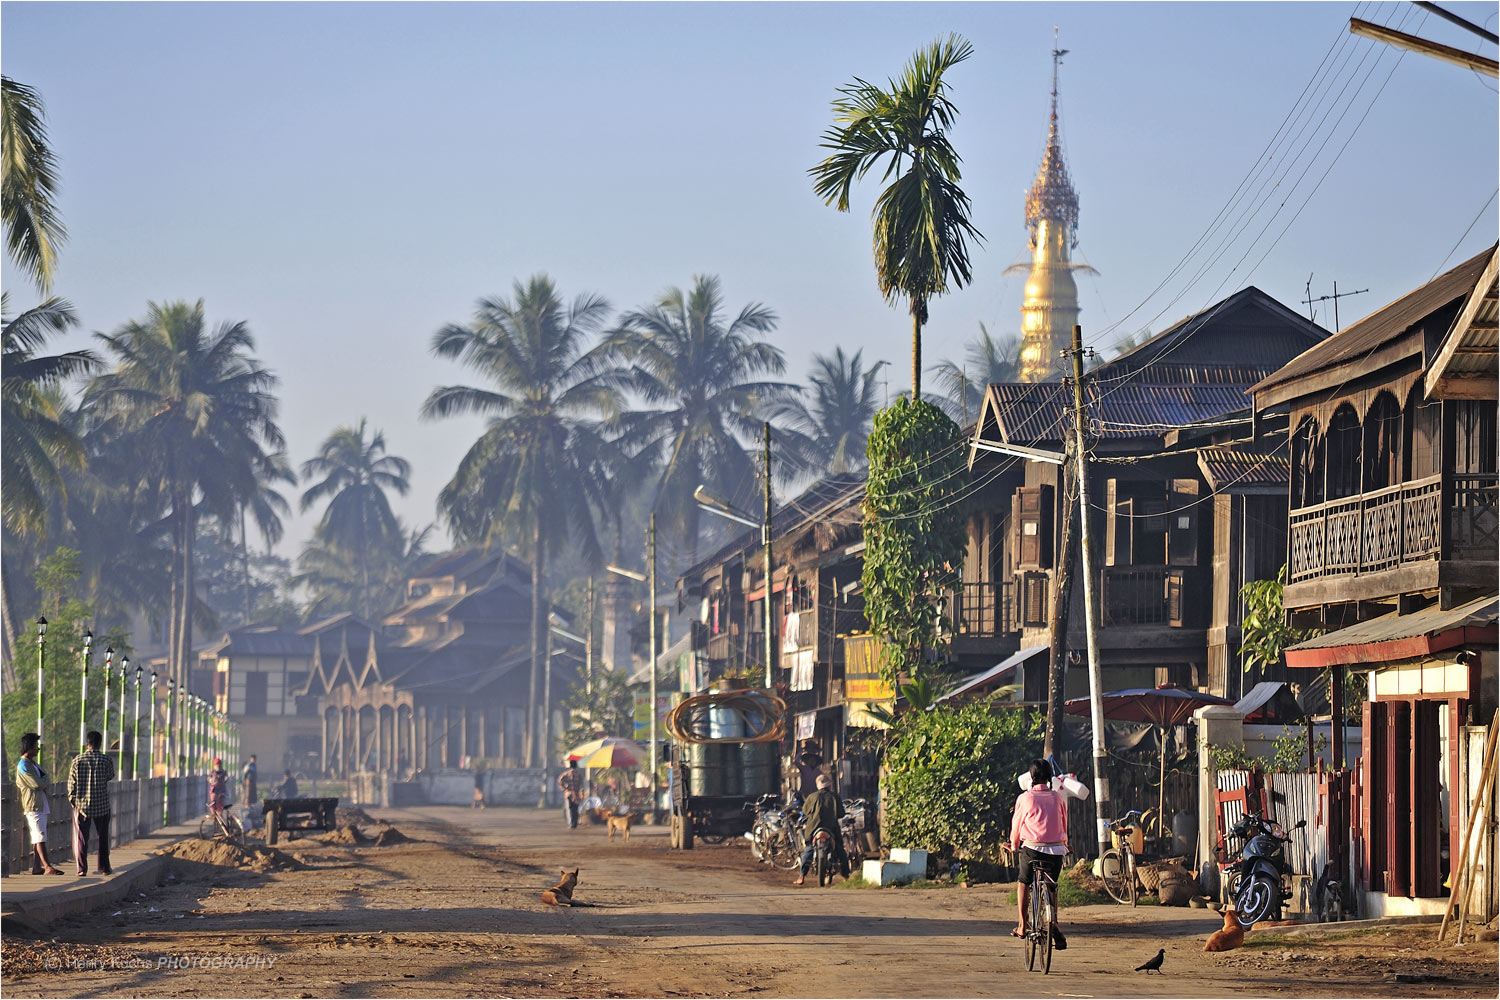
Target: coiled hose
[[762, 713]]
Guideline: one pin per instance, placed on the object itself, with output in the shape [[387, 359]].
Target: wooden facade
[[1392, 545]]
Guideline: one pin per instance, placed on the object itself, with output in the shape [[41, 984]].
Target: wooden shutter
[[1034, 600], [1182, 522], [1033, 507], [1117, 524], [1176, 597], [1372, 795]]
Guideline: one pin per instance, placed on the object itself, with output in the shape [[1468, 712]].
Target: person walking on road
[[571, 783], [247, 778], [88, 791], [33, 783]]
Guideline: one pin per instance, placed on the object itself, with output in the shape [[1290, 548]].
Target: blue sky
[[349, 177]]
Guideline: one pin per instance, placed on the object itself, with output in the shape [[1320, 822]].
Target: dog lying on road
[[561, 894]]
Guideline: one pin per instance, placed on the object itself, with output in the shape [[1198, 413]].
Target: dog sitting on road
[[619, 821], [561, 894]]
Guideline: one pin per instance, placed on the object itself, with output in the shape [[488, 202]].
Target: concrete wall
[[516, 786]]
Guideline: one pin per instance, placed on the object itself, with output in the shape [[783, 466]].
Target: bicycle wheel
[[233, 830], [1041, 906], [1119, 877], [207, 828], [785, 853]]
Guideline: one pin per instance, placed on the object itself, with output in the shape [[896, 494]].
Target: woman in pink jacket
[[1039, 831]]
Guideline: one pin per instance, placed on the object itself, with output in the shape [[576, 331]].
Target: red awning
[[1401, 637]]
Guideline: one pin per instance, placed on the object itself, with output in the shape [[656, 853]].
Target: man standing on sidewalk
[[571, 783], [88, 791]]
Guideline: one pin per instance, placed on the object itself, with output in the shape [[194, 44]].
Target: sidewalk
[[37, 900]]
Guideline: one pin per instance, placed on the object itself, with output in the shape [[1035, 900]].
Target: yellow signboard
[[863, 656]]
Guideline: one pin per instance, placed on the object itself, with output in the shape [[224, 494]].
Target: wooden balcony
[[1142, 595], [1433, 532], [984, 610]]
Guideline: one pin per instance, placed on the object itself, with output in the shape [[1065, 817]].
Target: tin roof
[[1401, 637], [1358, 341], [1224, 468]]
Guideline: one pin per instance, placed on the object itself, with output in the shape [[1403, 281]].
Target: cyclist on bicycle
[[218, 788], [1039, 830]]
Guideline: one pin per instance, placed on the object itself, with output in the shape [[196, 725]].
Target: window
[[1344, 434], [255, 693], [1033, 600], [1473, 436], [1383, 440], [1032, 513], [1307, 465]]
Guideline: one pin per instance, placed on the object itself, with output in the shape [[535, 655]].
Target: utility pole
[[588, 645], [1096, 693], [765, 537], [1062, 600], [651, 582]]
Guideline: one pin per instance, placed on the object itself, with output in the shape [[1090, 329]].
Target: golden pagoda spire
[[1050, 307]]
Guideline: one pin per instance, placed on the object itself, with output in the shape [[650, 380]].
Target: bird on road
[[1153, 964]]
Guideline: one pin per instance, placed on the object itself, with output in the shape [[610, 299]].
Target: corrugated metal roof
[[1037, 413], [1223, 467], [1398, 636], [278, 643], [1384, 325], [812, 504]]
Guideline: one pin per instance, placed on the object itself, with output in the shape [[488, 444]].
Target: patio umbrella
[[607, 751], [1163, 707]]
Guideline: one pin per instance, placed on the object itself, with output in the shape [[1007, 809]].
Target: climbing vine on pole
[[914, 531]]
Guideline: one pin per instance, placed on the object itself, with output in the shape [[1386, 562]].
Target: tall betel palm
[[356, 473], [921, 220], [828, 431], [523, 480], [701, 377], [199, 411], [36, 442], [28, 180], [987, 359]]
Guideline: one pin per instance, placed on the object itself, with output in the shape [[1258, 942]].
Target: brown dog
[[619, 822], [561, 894], [1228, 937]]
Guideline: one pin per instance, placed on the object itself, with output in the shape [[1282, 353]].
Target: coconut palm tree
[[922, 222], [523, 479], [701, 378], [36, 440], [828, 431], [28, 180], [337, 581], [986, 359], [198, 412], [356, 473]]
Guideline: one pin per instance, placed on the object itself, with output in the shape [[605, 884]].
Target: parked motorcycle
[[1260, 880], [775, 836]]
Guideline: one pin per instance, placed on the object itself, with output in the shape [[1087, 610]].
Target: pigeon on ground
[[1153, 964]]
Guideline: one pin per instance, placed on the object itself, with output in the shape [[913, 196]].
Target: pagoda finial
[[1057, 55], [1052, 196]]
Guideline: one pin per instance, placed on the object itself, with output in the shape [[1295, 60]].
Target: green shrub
[[950, 785]]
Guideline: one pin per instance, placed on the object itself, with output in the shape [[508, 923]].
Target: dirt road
[[456, 912]]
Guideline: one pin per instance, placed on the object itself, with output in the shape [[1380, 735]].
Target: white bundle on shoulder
[[1065, 783]]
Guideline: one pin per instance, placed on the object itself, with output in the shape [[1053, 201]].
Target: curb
[[41, 911], [1317, 930]]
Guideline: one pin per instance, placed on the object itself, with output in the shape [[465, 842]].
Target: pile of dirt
[[221, 854], [354, 816], [347, 834], [390, 835]]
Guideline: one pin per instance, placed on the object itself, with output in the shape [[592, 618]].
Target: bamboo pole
[[1460, 883]]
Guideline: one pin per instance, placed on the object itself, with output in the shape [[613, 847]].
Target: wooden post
[[1461, 868]]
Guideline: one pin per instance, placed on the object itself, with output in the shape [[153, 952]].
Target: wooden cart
[[296, 815]]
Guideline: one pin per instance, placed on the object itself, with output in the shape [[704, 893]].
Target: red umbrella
[[1162, 706]]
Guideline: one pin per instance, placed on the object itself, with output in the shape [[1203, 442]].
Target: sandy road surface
[[457, 913]]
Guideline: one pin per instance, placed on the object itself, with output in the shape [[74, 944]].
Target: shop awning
[[1401, 637], [992, 676]]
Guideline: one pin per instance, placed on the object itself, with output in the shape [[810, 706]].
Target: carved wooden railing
[[1473, 520], [984, 610], [1379, 530]]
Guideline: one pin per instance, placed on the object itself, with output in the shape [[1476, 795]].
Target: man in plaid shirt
[[88, 791]]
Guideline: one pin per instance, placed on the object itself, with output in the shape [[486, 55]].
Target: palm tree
[[985, 361], [356, 473], [701, 376], [337, 581], [28, 180], [522, 477], [922, 219], [828, 432], [201, 416], [36, 441]]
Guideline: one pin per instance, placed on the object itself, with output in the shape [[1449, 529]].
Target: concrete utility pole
[[765, 537], [588, 645], [651, 651], [1096, 693]]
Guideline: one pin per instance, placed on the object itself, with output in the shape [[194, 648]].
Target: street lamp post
[[135, 724], [109, 662], [124, 669], [166, 784], [83, 690], [649, 579], [41, 686], [151, 736]]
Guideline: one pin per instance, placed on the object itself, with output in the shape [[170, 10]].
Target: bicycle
[[220, 824], [1117, 866], [1039, 920]]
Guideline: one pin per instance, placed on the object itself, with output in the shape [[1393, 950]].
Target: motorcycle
[[1259, 881], [823, 866], [775, 834]]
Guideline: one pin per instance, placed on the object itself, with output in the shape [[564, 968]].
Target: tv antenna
[[1325, 298]]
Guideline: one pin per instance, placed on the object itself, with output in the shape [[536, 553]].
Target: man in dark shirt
[[247, 778], [88, 791], [822, 811]]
